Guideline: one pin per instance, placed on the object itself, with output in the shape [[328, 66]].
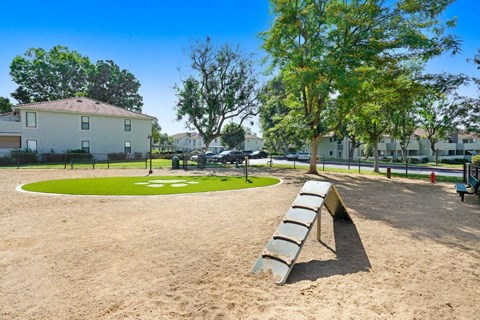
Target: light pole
[[150, 137]]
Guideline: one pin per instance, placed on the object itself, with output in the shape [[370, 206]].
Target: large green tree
[[323, 47], [441, 109], [49, 75], [233, 135], [60, 73], [279, 133], [222, 86], [370, 122], [110, 84], [159, 138], [5, 105], [156, 131], [474, 124]]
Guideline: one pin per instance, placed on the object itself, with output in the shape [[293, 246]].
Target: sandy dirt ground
[[412, 252]]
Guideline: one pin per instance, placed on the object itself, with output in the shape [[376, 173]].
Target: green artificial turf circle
[[137, 186]]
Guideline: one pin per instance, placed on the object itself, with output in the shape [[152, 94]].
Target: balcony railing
[[445, 146], [7, 127]]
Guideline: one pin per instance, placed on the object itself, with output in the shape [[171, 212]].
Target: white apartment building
[[193, 141], [75, 123]]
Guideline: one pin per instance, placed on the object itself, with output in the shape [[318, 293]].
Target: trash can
[[175, 163]]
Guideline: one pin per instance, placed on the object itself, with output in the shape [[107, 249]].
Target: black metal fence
[[178, 159], [68, 159]]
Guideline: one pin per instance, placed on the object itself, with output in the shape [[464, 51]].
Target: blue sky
[[151, 39]]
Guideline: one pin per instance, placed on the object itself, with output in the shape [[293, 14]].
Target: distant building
[[460, 145], [75, 123], [193, 141], [253, 143]]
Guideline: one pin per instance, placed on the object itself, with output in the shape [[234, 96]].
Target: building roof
[[252, 137], [189, 135], [83, 105]]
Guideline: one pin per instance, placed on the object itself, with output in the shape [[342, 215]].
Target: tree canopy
[[49, 75], [222, 86], [110, 84], [440, 109], [233, 135], [327, 48], [279, 131], [60, 73], [5, 105]]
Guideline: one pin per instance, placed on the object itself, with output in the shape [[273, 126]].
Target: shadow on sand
[[350, 252]]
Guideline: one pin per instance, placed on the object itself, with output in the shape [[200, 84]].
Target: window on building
[[128, 147], [86, 146], [31, 119], [85, 122], [127, 125], [32, 145], [465, 141], [330, 153]]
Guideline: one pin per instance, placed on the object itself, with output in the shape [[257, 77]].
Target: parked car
[[231, 156], [208, 156], [304, 156], [292, 156], [258, 155]]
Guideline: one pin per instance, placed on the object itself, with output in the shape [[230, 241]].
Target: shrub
[[424, 160], [6, 160], [53, 157], [23, 156], [77, 154], [117, 156], [453, 161], [476, 160]]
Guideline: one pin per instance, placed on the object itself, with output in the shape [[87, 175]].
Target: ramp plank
[[283, 248], [308, 202]]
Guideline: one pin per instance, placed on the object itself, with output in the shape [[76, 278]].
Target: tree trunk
[[351, 150], [285, 149], [434, 151], [313, 159], [207, 144], [404, 153], [376, 162]]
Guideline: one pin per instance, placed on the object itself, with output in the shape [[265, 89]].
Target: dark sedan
[[258, 155]]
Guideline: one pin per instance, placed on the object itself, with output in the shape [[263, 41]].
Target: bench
[[470, 188]]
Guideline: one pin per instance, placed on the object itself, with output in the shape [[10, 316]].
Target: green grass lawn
[[153, 185]]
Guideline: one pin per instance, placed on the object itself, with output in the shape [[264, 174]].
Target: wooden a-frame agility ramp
[[281, 252]]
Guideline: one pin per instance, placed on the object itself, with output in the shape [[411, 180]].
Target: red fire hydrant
[[433, 177]]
